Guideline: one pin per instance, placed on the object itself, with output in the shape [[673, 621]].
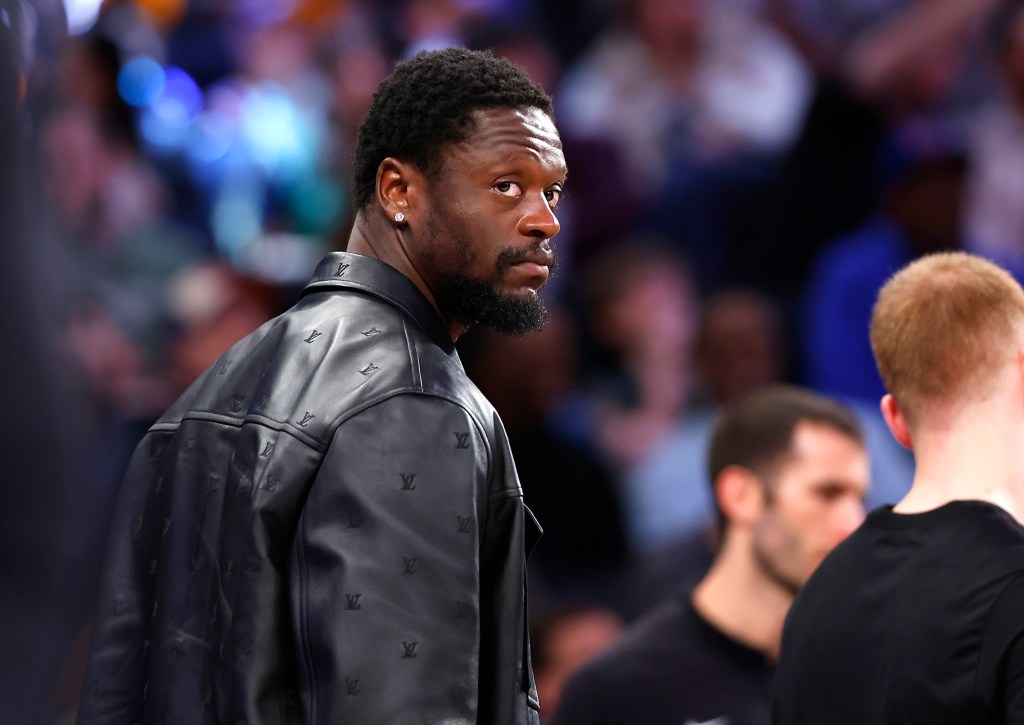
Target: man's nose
[[540, 219]]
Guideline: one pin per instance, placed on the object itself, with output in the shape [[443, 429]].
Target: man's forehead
[[805, 443], [811, 435], [822, 449], [523, 126]]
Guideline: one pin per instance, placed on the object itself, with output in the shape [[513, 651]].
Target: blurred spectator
[[640, 311], [108, 208], [521, 47], [262, 157], [562, 640], [213, 307], [583, 552], [721, 93], [994, 218], [926, 51], [357, 62], [659, 576], [790, 473], [740, 347], [569, 27], [921, 213], [433, 24], [100, 187], [715, 81], [900, 66]]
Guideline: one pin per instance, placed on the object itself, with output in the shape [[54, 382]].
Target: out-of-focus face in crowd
[[813, 500]]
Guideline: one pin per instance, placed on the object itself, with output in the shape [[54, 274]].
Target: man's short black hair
[[756, 432], [428, 102]]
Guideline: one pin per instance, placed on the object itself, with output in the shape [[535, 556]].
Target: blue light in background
[[141, 81], [275, 131], [161, 137], [262, 13], [236, 220], [211, 139], [182, 99], [166, 120]]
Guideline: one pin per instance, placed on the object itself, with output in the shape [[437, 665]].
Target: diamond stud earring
[[399, 217]]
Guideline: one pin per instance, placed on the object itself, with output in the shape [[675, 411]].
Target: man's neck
[[372, 236], [975, 457], [737, 599]]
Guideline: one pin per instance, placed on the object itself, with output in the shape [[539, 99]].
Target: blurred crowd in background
[[744, 174]]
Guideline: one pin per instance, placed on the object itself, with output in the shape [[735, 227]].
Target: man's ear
[[896, 421], [399, 187], [1020, 369], [740, 495]]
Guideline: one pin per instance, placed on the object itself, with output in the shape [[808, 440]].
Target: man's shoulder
[[669, 666], [638, 665], [964, 545], [381, 346], [658, 642], [332, 354], [973, 528]]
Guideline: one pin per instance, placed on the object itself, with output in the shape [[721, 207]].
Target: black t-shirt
[[671, 668], [915, 618]]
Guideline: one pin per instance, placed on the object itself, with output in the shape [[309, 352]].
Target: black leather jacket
[[326, 528]]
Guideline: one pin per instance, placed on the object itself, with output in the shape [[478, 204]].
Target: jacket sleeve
[[385, 573]]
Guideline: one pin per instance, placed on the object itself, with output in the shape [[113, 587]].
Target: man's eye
[[831, 493], [510, 188], [553, 196]]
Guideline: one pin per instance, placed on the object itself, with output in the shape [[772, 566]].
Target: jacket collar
[[354, 271]]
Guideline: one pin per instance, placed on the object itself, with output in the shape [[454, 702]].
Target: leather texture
[[326, 528]]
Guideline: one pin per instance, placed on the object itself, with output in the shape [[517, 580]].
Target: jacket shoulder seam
[[418, 390], [394, 393], [236, 422]]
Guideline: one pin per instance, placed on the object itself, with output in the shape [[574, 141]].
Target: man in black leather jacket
[[328, 527]]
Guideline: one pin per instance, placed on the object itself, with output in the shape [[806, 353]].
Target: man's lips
[[533, 269]]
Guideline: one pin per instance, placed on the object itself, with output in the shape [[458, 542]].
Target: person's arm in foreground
[[385, 570]]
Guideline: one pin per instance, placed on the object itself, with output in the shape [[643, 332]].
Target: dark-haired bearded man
[[328, 527]]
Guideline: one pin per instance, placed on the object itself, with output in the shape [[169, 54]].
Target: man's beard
[[769, 558], [775, 573], [478, 300]]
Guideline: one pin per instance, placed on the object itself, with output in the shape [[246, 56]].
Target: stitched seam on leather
[[254, 419], [502, 495], [359, 284], [304, 604], [394, 392], [341, 419], [414, 359]]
